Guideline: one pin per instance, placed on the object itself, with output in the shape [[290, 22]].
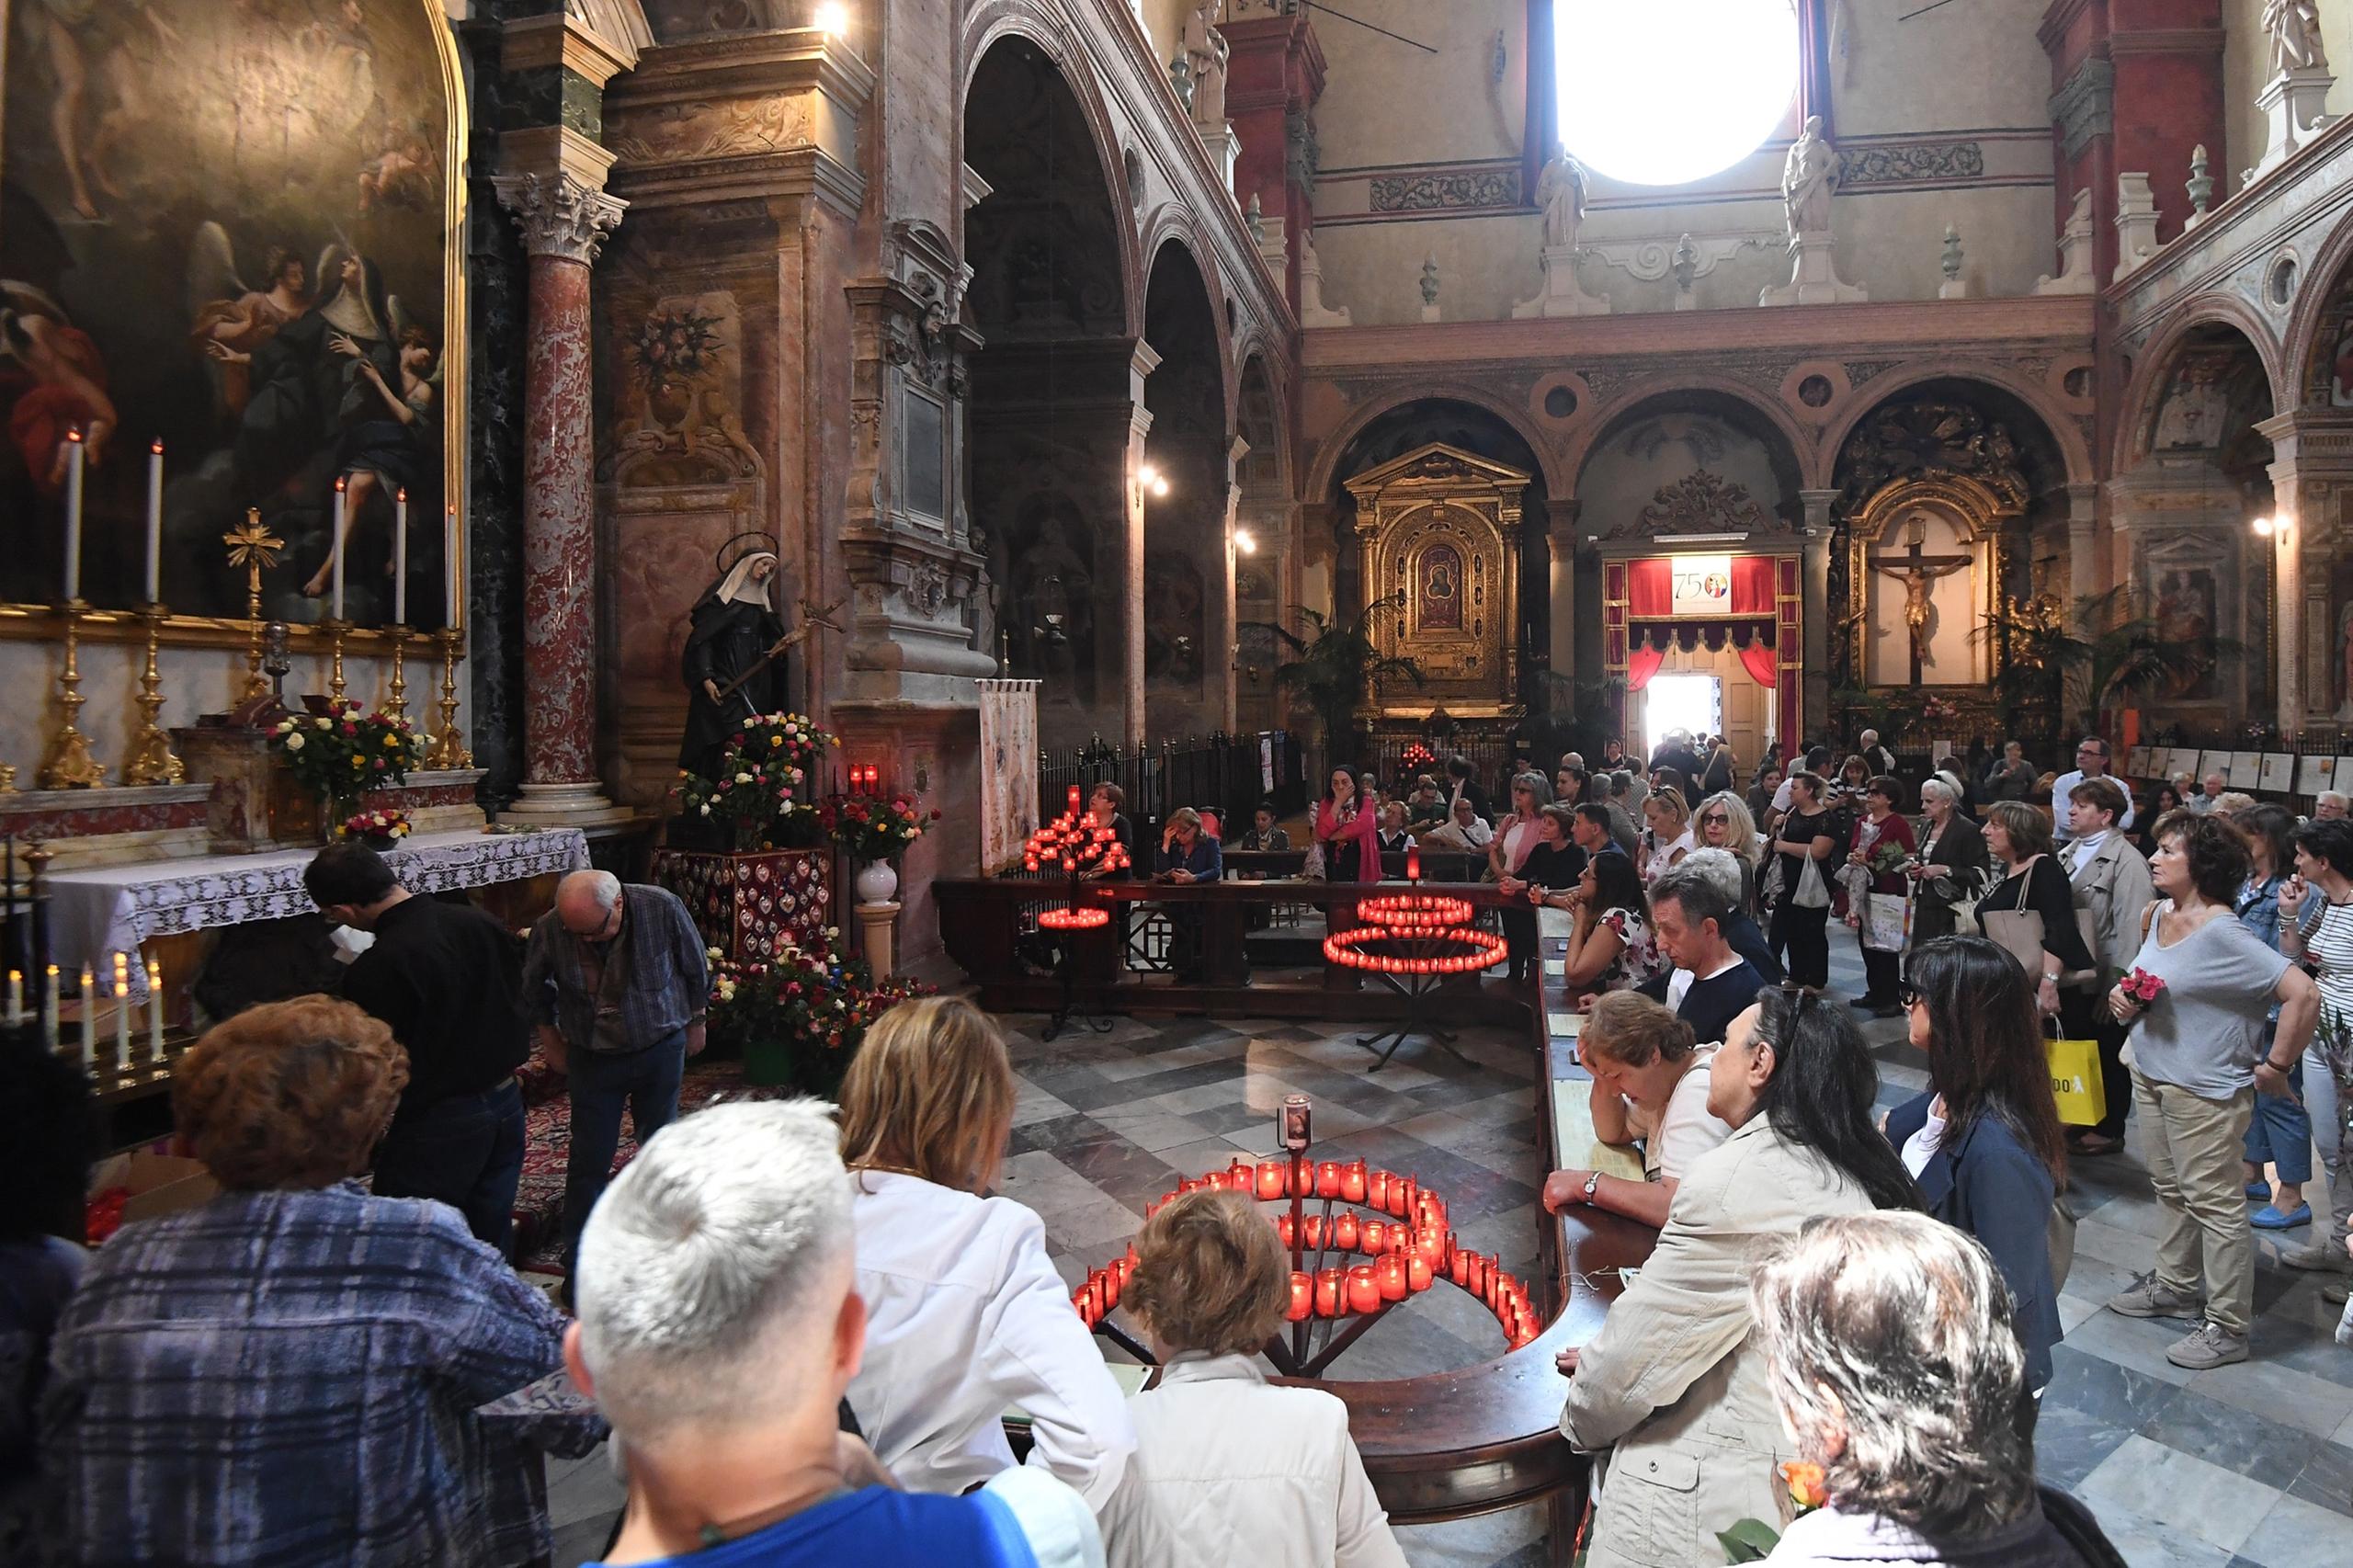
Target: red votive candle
[[1113, 1281], [1457, 1268], [1353, 1182], [1214, 1181], [1391, 1272], [1397, 1204], [1327, 1179], [1364, 1290], [1327, 1293], [1286, 1233], [1270, 1181], [1241, 1176], [1413, 1197], [1313, 1226], [1375, 1237], [1303, 1298], [1419, 1273], [1345, 1231], [1377, 1190]]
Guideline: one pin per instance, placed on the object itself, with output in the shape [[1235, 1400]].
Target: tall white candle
[[90, 1018], [451, 571], [15, 997], [155, 1010], [121, 1014], [155, 522], [400, 558], [48, 1011], [73, 457], [338, 547]]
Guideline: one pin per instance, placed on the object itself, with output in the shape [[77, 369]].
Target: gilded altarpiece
[[1439, 532]]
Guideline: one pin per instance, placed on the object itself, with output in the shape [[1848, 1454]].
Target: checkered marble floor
[[2243, 1467]]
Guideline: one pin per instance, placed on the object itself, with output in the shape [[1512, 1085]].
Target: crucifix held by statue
[[734, 664], [1918, 572]]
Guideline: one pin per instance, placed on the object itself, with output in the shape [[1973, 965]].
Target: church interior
[[652, 549]]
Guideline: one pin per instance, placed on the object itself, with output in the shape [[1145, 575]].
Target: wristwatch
[[1592, 1180]]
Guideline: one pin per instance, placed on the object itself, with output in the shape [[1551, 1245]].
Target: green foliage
[[1750, 1540], [1336, 668], [341, 755], [2109, 647]]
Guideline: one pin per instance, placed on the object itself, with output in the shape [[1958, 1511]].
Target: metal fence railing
[[1227, 774]]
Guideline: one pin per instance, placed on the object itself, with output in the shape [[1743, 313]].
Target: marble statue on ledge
[[1207, 51], [2294, 102], [1561, 195], [1429, 287], [1809, 181]]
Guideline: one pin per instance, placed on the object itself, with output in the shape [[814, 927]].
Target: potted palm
[[1337, 667]]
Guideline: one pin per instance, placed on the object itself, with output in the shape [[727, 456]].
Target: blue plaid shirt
[[283, 1380], [661, 986]]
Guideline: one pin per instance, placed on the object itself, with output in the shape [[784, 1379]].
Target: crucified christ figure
[[1918, 574]]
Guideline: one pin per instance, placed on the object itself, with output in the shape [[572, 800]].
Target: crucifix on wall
[[1918, 573]]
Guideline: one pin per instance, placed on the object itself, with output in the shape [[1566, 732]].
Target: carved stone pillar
[[1817, 623], [2083, 577], [1130, 553], [2312, 479], [1225, 631], [564, 221], [1561, 534]]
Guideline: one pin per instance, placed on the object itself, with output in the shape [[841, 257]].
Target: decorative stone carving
[[2074, 254], [1205, 51], [1916, 440], [559, 217], [1686, 268], [1701, 501], [1954, 287], [1313, 311], [1809, 180], [1560, 192], [2136, 223], [2294, 29], [2200, 186], [1429, 287]]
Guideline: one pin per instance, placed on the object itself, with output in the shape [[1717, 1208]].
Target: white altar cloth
[[106, 910]]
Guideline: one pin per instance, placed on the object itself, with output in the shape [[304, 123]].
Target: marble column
[[1816, 684], [2083, 577], [1225, 629], [1143, 362], [564, 222], [2312, 481], [1560, 601]]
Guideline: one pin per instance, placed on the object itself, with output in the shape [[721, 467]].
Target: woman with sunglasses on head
[[1984, 1141], [1952, 866], [1672, 1383], [1724, 824]]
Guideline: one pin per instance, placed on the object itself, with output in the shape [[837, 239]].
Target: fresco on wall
[[222, 225], [2184, 617]]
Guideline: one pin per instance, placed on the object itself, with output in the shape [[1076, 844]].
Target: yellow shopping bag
[[2076, 1080]]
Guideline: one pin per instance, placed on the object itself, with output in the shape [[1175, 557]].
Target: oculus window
[[1665, 94]]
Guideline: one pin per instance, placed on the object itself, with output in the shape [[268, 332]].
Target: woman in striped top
[[2316, 928]]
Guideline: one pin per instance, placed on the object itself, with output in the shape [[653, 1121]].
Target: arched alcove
[[1188, 561]]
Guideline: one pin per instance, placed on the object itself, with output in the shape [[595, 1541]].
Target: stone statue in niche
[[2294, 29], [1206, 49], [1809, 180], [734, 664], [1054, 604], [1561, 191]]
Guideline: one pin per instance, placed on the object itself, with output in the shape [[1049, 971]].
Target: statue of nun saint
[[734, 639]]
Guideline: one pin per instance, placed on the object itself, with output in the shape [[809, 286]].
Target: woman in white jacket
[[1227, 1468], [964, 1314]]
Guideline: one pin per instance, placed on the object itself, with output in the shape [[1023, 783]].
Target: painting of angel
[[223, 227]]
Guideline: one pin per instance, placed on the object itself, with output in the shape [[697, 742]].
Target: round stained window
[[1660, 94]]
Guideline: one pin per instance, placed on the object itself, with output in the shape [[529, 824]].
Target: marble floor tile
[[1102, 1225], [2327, 1479], [2138, 1343], [2278, 1393], [2297, 1534], [2069, 1445], [2232, 1438], [1152, 1129], [2144, 1542], [2116, 1395], [2184, 1495], [1041, 1183]]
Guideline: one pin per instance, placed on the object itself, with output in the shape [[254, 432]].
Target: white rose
[[324, 723], [706, 811], [743, 778], [714, 952], [294, 743]]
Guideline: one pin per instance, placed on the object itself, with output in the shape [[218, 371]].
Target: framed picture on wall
[[2315, 774], [2278, 772], [2344, 784], [2182, 759], [2213, 762], [2247, 769], [2136, 762]]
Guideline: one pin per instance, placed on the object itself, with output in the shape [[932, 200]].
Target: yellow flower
[[359, 762]]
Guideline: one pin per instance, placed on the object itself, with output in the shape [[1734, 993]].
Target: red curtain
[[1650, 588], [1760, 662], [1752, 584], [1643, 662]]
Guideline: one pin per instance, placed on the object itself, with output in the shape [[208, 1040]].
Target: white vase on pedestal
[[876, 882]]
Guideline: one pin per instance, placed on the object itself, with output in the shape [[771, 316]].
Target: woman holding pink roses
[[2199, 1060]]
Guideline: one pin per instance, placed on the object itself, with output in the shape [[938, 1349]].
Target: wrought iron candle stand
[[1406, 1233], [1074, 846], [1414, 942]]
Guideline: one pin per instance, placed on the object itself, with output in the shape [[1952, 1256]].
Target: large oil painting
[[225, 225]]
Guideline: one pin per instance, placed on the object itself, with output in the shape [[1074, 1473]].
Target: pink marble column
[[564, 222]]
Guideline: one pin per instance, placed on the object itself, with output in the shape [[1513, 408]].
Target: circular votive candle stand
[[1073, 847], [1360, 1242], [1414, 942]]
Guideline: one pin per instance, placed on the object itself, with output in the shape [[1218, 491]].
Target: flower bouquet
[[763, 794], [798, 1020], [2142, 989], [379, 829], [341, 753], [1752, 1540], [866, 828], [1937, 711]]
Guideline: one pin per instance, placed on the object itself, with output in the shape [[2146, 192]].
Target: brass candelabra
[[397, 706], [449, 750], [335, 627], [255, 548], [70, 763], [151, 758]]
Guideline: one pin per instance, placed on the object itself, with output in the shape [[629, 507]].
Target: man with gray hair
[[1711, 984], [2215, 784], [718, 1332], [615, 982], [2330, 806], [1740, 929]]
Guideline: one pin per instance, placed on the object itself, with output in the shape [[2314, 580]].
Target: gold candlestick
[[151, 758], [397, 706], [335, 629], [255, 548], [70, 763], [450, 751]]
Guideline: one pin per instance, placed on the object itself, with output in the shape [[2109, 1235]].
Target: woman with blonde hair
[[330, 1347], [1667, 836], [964, 1314], [1724, 822], [1209, 1288]]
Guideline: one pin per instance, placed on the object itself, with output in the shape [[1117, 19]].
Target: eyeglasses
[[1909, 996], [1715, 818]]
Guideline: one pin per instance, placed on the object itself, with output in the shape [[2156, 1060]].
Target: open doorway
[[1693, 703]]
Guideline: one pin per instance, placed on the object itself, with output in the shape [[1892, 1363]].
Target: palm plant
[[2109, 648], [1335, 666]]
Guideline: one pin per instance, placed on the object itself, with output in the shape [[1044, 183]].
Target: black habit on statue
[[733, 627]]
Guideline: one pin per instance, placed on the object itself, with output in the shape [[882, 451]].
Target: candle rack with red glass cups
[[1074, 847], [1336, 1210], [1414, 942]]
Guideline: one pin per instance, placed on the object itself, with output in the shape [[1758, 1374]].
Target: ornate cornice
[[559, 217], [1701, 501], [2085, 105]]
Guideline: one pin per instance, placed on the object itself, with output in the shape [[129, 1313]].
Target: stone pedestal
[[564, 223], [2294, 111], [877, 937], [1814, 276], [1313, 311], [2136, 223], [1226, 150], [1562, 295], [2075, 276]]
